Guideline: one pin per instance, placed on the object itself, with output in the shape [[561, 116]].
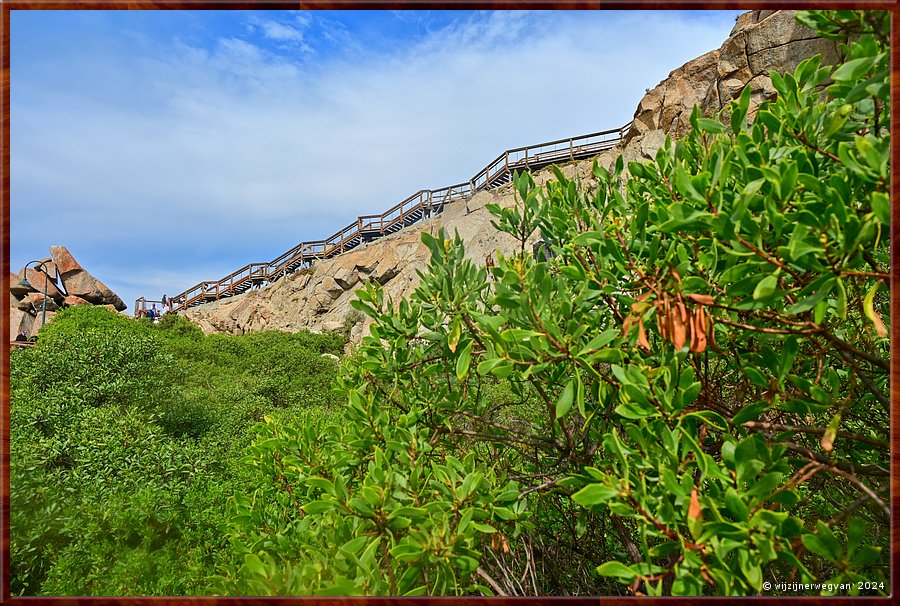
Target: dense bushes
[[688, 396], [126, 439]]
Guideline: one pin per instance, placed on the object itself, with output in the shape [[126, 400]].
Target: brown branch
[[490, 581], [868, 491], [802, 138], [773, 331], [865, 498], [847, 347], [625, 536], [867, 470], [814, 430], [764, 255], [870, 385], [548, 484], [866, 274]]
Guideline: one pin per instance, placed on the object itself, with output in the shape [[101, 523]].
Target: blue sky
[[168, 147]]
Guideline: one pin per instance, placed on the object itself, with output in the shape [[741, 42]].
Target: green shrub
[[126, 439]]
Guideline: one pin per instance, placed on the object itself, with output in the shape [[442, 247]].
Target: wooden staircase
[[417, 207]]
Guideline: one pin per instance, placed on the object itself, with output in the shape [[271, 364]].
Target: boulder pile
[[65, 283]]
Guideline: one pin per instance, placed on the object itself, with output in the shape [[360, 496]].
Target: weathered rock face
[[79, 282], [65, 262], [761, 41], [39, 281], [82, 284], [319, 298], [66, 282], [73, 300]]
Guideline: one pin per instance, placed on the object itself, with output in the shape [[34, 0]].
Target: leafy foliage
[[125, 445], [686, 397]]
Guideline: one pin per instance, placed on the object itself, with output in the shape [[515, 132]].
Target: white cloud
[[279, 31]]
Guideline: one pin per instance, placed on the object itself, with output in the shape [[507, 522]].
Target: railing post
[[571, 150]]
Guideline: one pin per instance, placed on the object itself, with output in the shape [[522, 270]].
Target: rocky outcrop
[[65, 282], [760, 42], [79, 282], [319, 298]]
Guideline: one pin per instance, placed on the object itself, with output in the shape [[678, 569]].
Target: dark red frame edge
[[8, 5]]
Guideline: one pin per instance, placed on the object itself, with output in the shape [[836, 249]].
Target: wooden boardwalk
[[421, 205]]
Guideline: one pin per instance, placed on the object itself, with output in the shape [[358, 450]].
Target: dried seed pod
[[679, 332], [692, 331], [642, 341], [700, 331], [683, 311], [700, 299], [661, 317], [626, 325], [703, 320]]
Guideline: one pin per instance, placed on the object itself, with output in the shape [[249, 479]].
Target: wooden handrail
[[367, 227]]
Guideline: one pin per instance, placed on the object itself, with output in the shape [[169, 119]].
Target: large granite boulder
[[34, 301], [65, 262], [760, 42], [17, 289], [73, 300], [80, 283], [38, 281]]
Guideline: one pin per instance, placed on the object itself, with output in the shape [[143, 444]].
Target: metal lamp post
[[24, 282]]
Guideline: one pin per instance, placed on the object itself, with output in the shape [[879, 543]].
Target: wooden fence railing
[[419, 206]]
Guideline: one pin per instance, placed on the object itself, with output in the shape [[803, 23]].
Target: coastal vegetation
[[683, 390]]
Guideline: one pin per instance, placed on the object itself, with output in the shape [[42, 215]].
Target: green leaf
[[815, 545], [739, 110], [616, 569], [869, 309], [317, 507], [708, 125], [589, 238], [564, 404], [462, 363], [601, 340], [594, 494], [485, 528], [255, 565], [321, 483], [811, 301], [881, 206], [453, 337], [750, 412], [736, 505], [756, 377], [853, 69], [866, 555], [855, 532], [765, 287]]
